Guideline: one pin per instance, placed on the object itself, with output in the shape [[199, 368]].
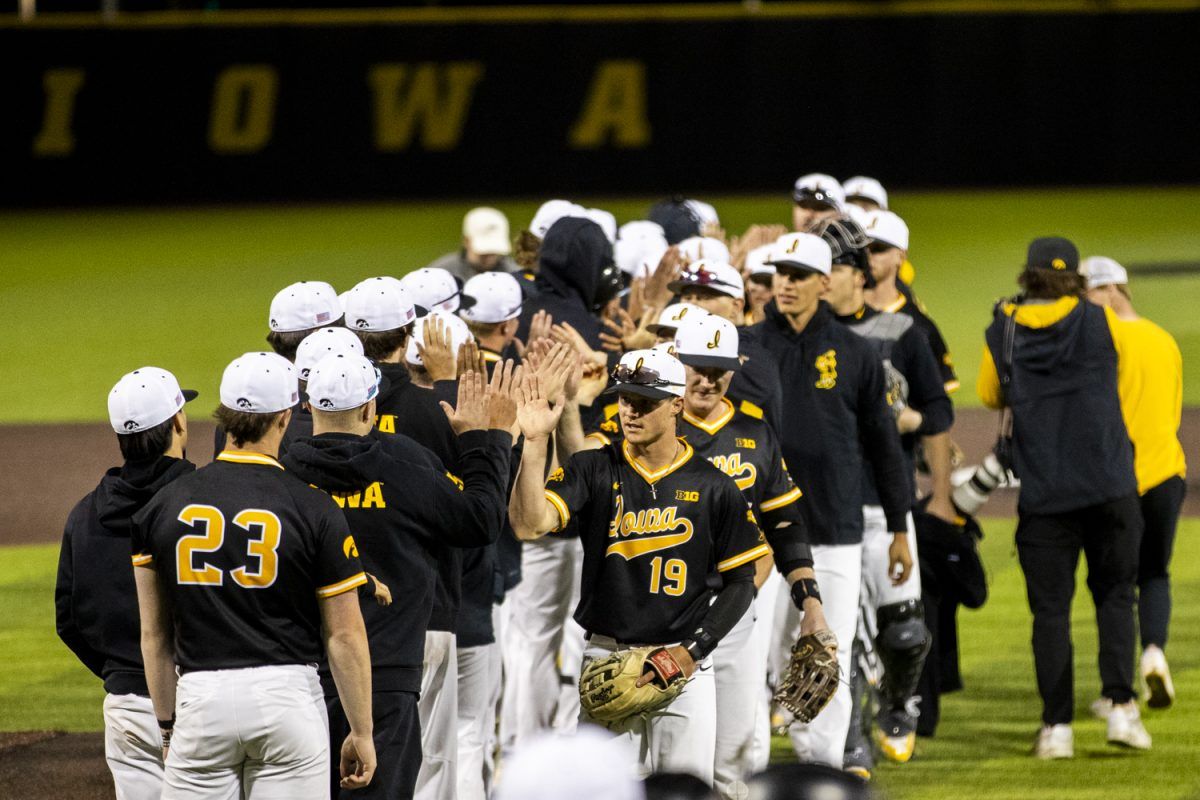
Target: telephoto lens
[[969, 496]]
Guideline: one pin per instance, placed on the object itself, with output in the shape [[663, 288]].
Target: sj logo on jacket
[[826, 365]]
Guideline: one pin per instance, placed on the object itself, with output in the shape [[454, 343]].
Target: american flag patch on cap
[[323, 317]]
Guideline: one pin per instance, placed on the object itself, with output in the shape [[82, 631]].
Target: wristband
[[702, 641], [693, 648], [166, 727], [804, 589]]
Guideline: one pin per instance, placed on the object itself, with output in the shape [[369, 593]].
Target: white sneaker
[[1101, 707], [1158, 678], [1125, 727], [1055, 741]]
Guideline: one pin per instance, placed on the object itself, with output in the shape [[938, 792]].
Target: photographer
[[1052, 359]]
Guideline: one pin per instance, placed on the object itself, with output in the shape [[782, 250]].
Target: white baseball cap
[[819, 187], [321, 343], [486, 231], [342, 381], [304, 305], [495, 296], [260, 383], [671, 316], [649, 373], [857, 214], [606, 221], [379, 304], [591, 764], [695, 248], [888, 228], [551, 212], [146, 397], [867, 189], [705, 213], [802, 251], [708, 341], [638, 243], [665, 347], [460, 334], [1102, 271], [756, 261], [433, 289], [716, 275]]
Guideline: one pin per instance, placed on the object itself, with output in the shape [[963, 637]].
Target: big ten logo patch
[[556, 476], [826, 365], [746, 444], [743, 473], [370, 497], [686, 496]]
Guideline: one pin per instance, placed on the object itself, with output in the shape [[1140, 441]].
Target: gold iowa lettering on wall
[[61, 86], [243, 108], [433, 97], [615, 109]]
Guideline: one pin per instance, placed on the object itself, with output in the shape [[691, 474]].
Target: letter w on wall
[[435, 97]]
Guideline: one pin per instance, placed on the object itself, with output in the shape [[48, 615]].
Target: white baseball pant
[[680, 737], [478, 680], [764, 626], [839, 574], [740, 666], [133, 746], [438, 712], [878, 590], [249, 734], [537, 609]]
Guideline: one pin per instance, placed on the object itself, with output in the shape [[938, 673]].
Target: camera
[[994, 472]]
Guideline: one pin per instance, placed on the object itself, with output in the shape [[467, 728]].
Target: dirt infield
[[53, 765], [46, 469]]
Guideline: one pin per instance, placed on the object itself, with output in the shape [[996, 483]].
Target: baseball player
[[893, 615], [374, 483], [888, 253], [835, 415], [434, 289], [95, 598], [1150, 387], [737, 441], [655, 523], [245, 576], [816, 197], [718, 288], [485, 247]]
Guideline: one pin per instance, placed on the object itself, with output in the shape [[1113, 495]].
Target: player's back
[[244, 551]]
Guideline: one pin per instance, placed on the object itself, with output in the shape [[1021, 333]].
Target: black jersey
[[913, 308], [651, 540], [244, 550]]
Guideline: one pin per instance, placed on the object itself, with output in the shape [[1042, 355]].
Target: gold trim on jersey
[[897, 304], [143, 560], [753, 554], [489, 356], [246, 457], [654, 477], [951, 386], [564, 513], [784, 499], [599, 437], [712, 428], [341, 587]]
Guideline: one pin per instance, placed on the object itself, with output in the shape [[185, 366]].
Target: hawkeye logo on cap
[[716, 342], [131, 425], [1058, 263], [361, 323], [242, 402], [325, 402]]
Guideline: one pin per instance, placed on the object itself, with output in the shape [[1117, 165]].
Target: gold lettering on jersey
[[456, 480], [743, 474], [826, 364], [349, 547], [748, 444], [557, 475], [386, 423], [687, 497], [370, 497], [672, 529]]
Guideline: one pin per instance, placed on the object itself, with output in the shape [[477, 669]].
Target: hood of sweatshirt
[[124, 490], [1051, 333], [572, 257], [338, 462]]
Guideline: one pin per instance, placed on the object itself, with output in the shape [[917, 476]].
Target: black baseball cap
[[1052, 253]]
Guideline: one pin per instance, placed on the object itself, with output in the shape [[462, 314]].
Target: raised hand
[[539, 328], [437, 353], [470, 358], [536, 415], [564, 333], [501, 401], [471, 410], [668, 269]]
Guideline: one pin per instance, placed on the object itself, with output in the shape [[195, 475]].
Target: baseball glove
[[608, 689], [811, 677]]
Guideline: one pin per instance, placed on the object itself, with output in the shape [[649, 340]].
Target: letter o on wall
[[243, 108]]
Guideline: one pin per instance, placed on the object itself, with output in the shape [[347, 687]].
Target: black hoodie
[[401, 512], [95, 598], [573, 254]]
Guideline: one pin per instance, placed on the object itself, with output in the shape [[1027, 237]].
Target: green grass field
[[980, 752], [89, 295]]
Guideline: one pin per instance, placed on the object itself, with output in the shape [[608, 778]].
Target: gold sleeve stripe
[[745, 558], [143, 560], [564, 513], [951, 386], [781, 501], [341, 587], [599, 437]]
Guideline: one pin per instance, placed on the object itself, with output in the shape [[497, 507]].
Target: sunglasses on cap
[[702, 277], [640, 376]]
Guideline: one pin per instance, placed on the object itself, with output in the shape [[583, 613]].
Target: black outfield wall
[[534, 102]]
